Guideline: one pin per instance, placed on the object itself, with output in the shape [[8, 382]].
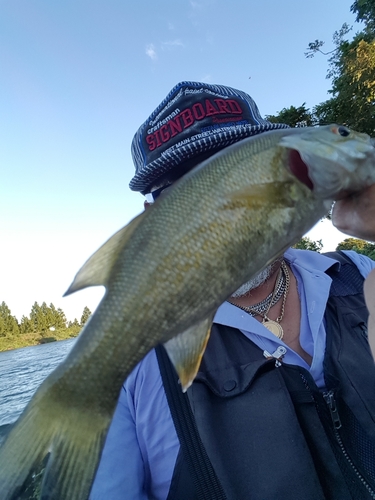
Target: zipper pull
[[331, 402]]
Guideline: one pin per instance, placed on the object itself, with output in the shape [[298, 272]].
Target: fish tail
[[52, 452]]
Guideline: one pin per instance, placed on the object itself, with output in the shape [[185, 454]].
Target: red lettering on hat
[[187, 117], [222, 104], [210, 108], [157, 137], [150, 139], [198, 111], [175, 125], [164, 133], [234, 107]]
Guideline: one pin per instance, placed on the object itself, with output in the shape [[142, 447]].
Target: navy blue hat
[[194, 121]]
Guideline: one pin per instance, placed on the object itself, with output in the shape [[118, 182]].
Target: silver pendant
[[273, 327]]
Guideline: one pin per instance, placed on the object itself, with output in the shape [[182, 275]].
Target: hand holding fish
[[355, 214]]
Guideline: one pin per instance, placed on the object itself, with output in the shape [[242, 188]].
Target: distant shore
[[9, 343]]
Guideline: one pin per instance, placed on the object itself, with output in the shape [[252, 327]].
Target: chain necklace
[[272, 299], [273, 325]]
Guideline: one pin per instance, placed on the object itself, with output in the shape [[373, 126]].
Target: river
[[21, 373]]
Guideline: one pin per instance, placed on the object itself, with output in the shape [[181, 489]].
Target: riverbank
[[29, 339]]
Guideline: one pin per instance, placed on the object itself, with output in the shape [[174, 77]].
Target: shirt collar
[[310, 261], [305, 261]]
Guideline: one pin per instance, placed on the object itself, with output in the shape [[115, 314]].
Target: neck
[[261, 292]]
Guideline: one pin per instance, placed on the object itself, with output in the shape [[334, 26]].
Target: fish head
[[332, 160]]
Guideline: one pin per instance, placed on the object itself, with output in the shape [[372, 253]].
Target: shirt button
[[229, 385]]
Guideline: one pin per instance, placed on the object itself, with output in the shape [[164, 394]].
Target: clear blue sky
[[78, 77]]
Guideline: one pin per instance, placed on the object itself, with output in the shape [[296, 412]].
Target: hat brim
[[180, 153]]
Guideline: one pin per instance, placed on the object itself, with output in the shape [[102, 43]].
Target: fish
[[165, 274]]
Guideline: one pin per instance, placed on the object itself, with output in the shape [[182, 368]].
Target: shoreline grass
[[8, 343]]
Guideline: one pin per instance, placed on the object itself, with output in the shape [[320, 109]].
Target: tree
[[365, 10], [73, 323], [359, 246], [352, 244], [85, 315], [58, 317], [353, 88], [49, 319], [352, 71], [306, 243], [8, 323], [292, 116], [38, 319], [2, 327], [74, 327], [26, 325]]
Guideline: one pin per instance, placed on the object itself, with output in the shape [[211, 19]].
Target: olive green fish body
[[193, 250], [165, 274]]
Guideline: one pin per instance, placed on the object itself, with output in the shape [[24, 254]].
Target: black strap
[[346, 281], [341, 257], [205, 480]]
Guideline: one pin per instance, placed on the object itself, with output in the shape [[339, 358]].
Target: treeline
[[360, 246], [43, 324]]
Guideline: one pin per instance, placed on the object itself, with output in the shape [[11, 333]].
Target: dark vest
[[269, 432]]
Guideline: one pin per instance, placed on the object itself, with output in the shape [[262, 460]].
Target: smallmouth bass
[[165, 274]]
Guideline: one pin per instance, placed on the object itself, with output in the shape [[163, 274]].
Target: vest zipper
[[329, 398]]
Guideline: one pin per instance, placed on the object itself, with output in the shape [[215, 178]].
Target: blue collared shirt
[[142, 446]]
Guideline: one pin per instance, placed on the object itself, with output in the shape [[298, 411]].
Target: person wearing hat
[[283, 405]]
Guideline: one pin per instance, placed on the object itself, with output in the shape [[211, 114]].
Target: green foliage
[[353, 87], [26, 325], [352, 72], [2, 327], [359, 246], [85, 315], [46, 318], [306, 243], [292, 116], [8, 324], [60, 318], [365, 10], [74, 327], [39, 322], [44, 324]]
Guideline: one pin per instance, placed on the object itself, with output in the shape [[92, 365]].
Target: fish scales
[[167, 271]]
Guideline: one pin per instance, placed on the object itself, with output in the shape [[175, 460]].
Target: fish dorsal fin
[[98, 267], [186, 351]]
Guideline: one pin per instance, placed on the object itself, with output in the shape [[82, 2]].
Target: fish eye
[[343, 131]]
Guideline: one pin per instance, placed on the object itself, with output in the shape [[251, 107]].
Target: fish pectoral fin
[[98, 267], [274, 194], [186, 351]]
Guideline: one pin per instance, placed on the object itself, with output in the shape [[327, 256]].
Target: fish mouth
[[299, 168]]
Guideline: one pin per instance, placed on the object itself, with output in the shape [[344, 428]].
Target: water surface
[[21, 373]]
